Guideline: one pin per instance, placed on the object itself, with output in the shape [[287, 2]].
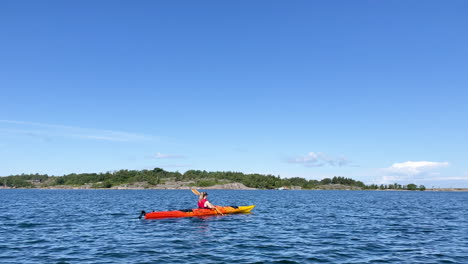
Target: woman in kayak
[[203, 202]]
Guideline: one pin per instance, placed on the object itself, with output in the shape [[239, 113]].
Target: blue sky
[[372, 90]]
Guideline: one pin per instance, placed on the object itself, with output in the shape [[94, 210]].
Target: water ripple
[[101, 226]]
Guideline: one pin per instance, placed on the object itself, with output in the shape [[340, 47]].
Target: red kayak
[[198, 212]]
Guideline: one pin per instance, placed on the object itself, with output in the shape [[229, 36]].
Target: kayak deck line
[[197, 212]]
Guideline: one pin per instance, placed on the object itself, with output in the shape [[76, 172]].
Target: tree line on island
[[198, 178]]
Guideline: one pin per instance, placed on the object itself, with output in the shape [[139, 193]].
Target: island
[[161, 179]]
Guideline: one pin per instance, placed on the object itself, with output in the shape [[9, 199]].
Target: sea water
[[102, 226]]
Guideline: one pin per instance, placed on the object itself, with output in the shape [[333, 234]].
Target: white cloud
[[313, 159], [41, 130], [168, 156], [411, 171], [415, 168]]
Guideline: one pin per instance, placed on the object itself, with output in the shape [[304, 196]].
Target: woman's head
[[203, 195]]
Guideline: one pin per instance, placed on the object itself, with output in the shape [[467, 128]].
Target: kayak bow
[[198, 212]]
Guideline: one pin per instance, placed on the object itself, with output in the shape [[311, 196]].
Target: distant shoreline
[[448, 190], [243, 188], [160, 179]]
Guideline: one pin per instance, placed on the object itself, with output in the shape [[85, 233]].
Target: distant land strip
[[161, 179]]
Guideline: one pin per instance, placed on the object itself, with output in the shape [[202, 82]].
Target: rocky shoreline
[[145, 186], [447, 190], [227, 186]]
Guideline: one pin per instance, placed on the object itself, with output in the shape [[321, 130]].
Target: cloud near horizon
[[412, 170], [319, 159], [415, 168]]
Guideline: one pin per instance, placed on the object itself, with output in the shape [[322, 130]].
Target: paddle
[[198, 193], [195, 191]]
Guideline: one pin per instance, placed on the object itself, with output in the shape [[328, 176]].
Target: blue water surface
[[102, 226]]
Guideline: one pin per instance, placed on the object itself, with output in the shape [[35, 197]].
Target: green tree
[[59, 181], [326, 181]]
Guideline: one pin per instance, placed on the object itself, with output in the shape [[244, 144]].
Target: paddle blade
[[195, 191]]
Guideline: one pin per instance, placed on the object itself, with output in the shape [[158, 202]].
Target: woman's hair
[[204, 194]]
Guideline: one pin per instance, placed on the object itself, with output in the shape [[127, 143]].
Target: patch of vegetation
[[206, 183], [99, 185]]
